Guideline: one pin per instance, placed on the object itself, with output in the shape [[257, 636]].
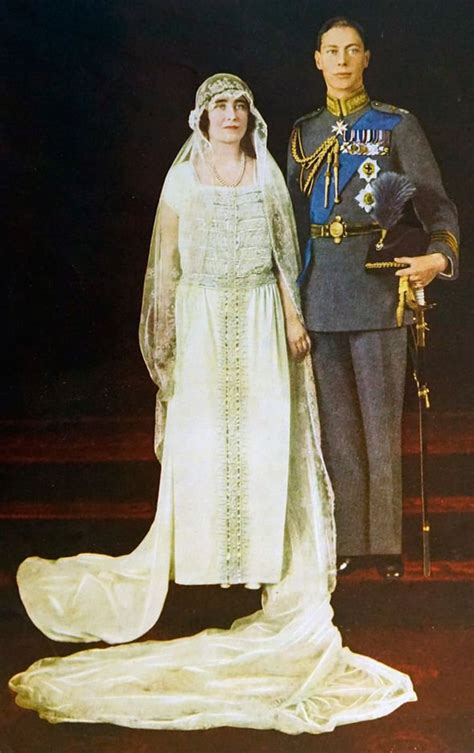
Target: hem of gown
[[368, 553], [219, 582]]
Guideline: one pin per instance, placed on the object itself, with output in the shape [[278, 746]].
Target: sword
[[417, 350]]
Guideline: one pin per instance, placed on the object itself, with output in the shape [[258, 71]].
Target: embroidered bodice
[[223, 232]]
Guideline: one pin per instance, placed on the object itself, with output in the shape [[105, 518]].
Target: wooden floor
[[69, 486]]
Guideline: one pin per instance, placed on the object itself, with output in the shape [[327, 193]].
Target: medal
[[370, 141]]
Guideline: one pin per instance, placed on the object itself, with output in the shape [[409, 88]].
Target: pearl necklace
[[223, 182]]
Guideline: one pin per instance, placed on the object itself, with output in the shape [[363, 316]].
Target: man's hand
[[422, 270], [298, 339]]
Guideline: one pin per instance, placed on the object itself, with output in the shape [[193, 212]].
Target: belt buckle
[[337, 229]]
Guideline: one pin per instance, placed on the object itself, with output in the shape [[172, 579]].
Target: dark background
[[97, 97]]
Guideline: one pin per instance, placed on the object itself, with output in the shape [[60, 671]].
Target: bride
[[244, 495]]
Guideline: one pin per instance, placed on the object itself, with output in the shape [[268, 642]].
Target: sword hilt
[[420, 297]]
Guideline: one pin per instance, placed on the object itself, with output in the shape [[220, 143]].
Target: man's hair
[[341, 21]]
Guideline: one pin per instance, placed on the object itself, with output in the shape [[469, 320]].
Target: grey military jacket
[[337, 293]]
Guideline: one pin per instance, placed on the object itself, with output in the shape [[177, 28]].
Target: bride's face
[[228, 119]]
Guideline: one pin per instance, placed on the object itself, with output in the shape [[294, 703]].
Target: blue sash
[[348, 165]]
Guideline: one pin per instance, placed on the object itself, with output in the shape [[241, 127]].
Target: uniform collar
[[345, 107]]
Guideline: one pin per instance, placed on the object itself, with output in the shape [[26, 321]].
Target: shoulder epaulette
[[388, 108], [308, 116]]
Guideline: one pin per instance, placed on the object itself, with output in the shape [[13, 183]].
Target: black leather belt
[[338, 229]]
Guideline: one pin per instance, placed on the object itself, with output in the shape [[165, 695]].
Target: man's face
[[342, 60]]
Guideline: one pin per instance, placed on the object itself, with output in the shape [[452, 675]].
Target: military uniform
[[359, 352]]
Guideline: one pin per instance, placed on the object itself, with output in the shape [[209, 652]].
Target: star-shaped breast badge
[[340, 128], [365, 198], [369, 169]]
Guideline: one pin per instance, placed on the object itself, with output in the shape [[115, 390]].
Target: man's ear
[[317, 60], [367, 58]]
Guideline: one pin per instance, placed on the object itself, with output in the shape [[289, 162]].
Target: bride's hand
[[298, 339]]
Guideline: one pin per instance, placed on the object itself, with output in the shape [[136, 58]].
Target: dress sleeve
[[173, 192]]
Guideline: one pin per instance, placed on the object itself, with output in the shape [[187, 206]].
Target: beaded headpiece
[[215, 86]]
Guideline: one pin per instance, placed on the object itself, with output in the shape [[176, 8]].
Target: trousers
[[360, 380]]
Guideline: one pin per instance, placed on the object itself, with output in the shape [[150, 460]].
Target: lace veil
[[157, 325]]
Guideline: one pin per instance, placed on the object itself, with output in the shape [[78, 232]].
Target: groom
[[359, 347]]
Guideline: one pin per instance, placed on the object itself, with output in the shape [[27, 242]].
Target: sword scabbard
[[426, 552]]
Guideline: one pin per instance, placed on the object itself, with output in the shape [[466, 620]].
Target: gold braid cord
[[311, 163], [446, 237]]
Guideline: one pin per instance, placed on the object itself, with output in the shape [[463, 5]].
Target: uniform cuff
[[438, 247]]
